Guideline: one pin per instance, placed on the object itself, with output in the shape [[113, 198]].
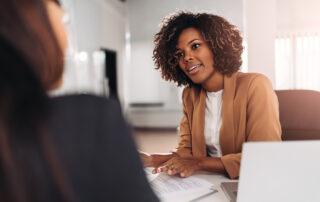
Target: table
[[215, 179]]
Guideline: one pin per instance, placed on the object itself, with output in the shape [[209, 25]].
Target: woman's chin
[[197, 81]]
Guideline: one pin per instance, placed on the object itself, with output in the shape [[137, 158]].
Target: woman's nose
[[187, 57]]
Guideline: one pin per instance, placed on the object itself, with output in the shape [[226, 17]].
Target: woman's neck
[[214, 83]]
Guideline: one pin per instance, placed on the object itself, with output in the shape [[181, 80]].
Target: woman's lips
[[193, 69]]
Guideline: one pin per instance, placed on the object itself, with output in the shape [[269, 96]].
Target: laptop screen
[[280, 171]]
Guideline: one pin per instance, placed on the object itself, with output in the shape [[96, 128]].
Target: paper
[[166, 186], [149, 174]]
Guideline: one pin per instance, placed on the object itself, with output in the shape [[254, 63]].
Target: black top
[[97, 151]]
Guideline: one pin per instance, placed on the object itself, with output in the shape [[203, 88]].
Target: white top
[[213, 121]]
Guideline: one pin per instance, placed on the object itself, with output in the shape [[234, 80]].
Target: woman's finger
[[164, 168], [157, 169], [186, 173], [154, 171], [176, 168], [173, 171], [180, 168]]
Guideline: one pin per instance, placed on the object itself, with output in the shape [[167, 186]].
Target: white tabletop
[[213, 178]]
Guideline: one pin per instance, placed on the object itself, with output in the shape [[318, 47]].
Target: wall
[[96, 24], [297, 44], [260, 29], [263, 20], [297, 15]]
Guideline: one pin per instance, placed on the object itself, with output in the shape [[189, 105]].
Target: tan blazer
[[250, 112]]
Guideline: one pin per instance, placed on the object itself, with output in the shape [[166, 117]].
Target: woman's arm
[[212, 165], [184, 148], [155, 160], [262, 120], [187, 166]]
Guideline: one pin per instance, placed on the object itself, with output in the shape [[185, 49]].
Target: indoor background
[[111, 44]]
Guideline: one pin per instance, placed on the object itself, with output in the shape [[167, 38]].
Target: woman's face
[[194, 55], [56, 13]]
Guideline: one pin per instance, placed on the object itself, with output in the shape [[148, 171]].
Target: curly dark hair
[[223, 38]]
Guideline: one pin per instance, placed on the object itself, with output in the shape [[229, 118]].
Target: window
[[297, 60]]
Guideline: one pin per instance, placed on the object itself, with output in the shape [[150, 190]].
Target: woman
[[222, 107], [57, 149]]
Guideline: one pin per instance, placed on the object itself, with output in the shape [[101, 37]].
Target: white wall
[[97, 24], [263, 20], [260, 29], [297, 15], [297, 47], [101, 24]]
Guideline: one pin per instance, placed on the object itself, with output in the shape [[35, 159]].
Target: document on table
[[166, 186], [149, 175]]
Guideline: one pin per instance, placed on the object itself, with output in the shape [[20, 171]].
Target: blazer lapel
[[227, 128], [198, 140]]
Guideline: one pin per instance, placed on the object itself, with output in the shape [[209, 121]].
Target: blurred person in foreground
[[222, 108], [71, 148]]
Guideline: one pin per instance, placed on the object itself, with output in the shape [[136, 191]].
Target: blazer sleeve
[[262, 120], [184, 148]]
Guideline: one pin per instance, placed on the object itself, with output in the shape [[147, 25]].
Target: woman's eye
[[178, 55], [195, 46]]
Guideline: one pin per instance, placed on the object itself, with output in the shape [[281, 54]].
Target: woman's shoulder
[[250, 77], [191, 92], [249, 80]]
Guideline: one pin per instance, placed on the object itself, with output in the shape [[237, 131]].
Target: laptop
[[278, 172], [231, 190]]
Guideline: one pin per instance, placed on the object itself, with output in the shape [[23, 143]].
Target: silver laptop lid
[[230, 189], [280, 172]]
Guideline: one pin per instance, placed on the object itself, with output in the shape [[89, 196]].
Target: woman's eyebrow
[[177, 49], [192, 41]]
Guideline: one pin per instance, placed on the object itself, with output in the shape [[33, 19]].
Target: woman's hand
[[177, 165], [146, 160], [154, 160]]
